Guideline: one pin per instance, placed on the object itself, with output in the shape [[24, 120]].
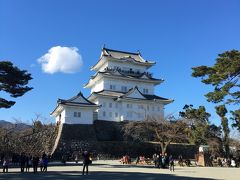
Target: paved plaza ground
[[113, 170]]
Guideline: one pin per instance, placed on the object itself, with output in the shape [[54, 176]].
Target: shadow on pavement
[[102, 175]]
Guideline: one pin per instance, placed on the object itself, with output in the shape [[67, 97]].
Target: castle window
[[77, 114], [110, 105], [112, 87], [145, 91], [124, 88], [104, 113], [116, 114], [110, 114], [129, 105], [116, 105]]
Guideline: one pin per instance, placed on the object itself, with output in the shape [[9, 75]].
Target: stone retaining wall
[[106, 139]]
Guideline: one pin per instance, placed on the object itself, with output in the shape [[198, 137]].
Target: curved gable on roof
[[78, 99], [111, 54], [124, 55], [133, 93]]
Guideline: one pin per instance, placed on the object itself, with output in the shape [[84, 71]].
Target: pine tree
[[13, 81], [224, 76]]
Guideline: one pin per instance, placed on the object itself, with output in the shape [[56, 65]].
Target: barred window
[[77, 114]]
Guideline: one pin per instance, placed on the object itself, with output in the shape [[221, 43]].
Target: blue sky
[[177, 34]]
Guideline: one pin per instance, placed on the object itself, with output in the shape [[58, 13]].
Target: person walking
[[155, 159], [163, 161], [45, 164], [76, 158], [171, 163], [28, 163], [22, 161], [35, 161], [5, 164], [41, 164], [166, 160], [159, 160], [86, 161]]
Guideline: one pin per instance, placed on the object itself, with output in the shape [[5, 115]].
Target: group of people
[[159, 160], [25, 162], [125, 159], [141, 160], [225, 162], [163, 161]]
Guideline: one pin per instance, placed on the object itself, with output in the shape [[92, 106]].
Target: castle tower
[[123, 87]]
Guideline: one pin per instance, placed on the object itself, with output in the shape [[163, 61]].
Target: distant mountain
[[16, 126], [5, 124]]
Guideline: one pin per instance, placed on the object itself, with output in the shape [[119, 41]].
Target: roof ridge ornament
[[80, 93]]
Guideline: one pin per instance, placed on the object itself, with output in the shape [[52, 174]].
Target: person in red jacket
[[86, 161]]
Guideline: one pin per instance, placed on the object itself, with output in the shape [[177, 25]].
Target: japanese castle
[[121, 89]]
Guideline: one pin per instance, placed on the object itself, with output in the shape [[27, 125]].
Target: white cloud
[[61, 59]]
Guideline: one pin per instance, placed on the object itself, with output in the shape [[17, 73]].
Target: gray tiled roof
[[136, 56], [130, 75], [71, 101], [122, 54], [110, 93], [116, 94]]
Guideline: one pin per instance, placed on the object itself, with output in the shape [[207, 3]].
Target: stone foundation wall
[[106, 139]]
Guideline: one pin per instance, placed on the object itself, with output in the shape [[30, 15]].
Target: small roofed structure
[[76, 110]]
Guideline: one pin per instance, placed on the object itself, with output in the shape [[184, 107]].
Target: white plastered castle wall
[[127, 66], [119, 83], [86, 116], [61, 117], [99, 86], [128, 110]]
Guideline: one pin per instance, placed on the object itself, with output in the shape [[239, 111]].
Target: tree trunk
[[164, 146], [226, 135], [222, 111]]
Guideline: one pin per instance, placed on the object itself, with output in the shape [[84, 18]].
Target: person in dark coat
[[159, 159], [171, 163], [28, 162], [35, 161], [22, 162], [86, 161], [166, 160]]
